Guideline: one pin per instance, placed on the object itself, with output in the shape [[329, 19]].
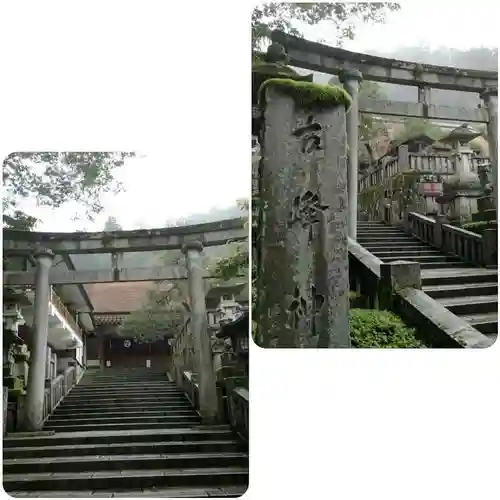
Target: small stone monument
[[302, 257]]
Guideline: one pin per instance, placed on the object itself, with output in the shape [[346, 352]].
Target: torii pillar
[[490, 98], [351, 79], [202, 344], [33, 412]]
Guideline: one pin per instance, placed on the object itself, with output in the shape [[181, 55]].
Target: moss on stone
[[263, 71], [308, 94]]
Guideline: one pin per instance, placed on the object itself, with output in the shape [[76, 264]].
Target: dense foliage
[[341, 16], [382, 329], [162, 313], [419, 126], [54, 178]]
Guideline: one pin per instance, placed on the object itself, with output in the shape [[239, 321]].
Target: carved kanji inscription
[[311, 136]]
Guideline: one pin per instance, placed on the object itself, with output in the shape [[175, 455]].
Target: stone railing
[[183, 352], [414, 162], [237, 409], [396, 286], [57, 388], [466, 245], [63, 310], [231, 381]]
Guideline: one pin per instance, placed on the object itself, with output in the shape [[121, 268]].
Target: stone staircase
[[468, 291], [125, 433]]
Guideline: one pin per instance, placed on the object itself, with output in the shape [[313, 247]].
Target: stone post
[[302, 257], [33, 415], [490, 247], [84, 339], [438, 230], [490, 98], [199, 328], [48, 358], [351, 79], [396, 276]]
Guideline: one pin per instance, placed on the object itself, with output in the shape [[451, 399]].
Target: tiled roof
[[118, 297], [109, 319]]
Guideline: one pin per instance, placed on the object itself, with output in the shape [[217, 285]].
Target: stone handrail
[[464, 244], [453, 240], [183, 351], [63, 310], [232, 387], [237, 407], [58, 389], [396, 286], [189, 384], [422, 227], [364, 273]]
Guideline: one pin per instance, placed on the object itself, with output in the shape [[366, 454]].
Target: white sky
[[154, 191], [429, 23], [157, 190]]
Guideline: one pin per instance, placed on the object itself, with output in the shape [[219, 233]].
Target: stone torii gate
[[44, 246], [353, 67]]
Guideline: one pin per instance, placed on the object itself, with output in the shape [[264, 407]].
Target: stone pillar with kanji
[[302, 257]]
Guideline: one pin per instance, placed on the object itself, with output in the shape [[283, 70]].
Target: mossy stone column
[[33, 413], [490, 98], [351, 79], [302, 257], [199, 329]]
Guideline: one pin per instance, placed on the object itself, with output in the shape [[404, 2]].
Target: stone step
[[470, 305], [136, 405], [128, 399], [382, 230], [98, 463], [362, 240], [448, 276], [193, 433], [119, 381], [122, 380], [122, 394], [388, 245], [222, 492], [163, 447], [62, 423], [444, 264], [125, 413], [423, 259], [409, 251], [138, 385], [486, 323], [176, 423], [126, 479], [375, 235], [460, 290]]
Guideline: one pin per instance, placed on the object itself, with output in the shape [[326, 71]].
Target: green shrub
[[383, 329], [479, 226]]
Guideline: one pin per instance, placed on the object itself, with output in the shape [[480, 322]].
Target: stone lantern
[[459, 140], [462, 189], [272, 64]]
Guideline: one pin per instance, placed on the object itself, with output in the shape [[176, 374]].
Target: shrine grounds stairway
[[468, 291], [126, 433]]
